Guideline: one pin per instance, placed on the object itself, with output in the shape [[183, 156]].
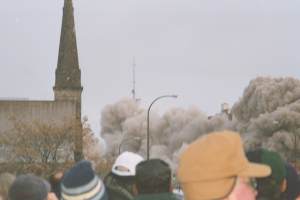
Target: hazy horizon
[[204, 51]]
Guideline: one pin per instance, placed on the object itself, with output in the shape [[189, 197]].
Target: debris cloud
[[267, 115]]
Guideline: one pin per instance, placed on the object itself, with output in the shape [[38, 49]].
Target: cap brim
[[122, 173], [256, 170]]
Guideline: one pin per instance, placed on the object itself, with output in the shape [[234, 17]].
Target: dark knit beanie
[[81, 183], [28, 187]]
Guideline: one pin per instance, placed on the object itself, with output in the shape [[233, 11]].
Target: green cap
[[276, 163]]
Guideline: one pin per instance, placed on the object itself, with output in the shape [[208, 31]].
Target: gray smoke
[[266, 95], [169, 133], [121, 122], [268, 114]]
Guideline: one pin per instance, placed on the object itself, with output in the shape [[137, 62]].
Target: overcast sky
[[206, 51]]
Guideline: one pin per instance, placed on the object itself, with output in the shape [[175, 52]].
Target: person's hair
[[28, 187], [124, 180], [6, 179], [268, 188], [153, 176]]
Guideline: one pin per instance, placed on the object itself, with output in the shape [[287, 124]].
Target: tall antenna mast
[[133, 80]]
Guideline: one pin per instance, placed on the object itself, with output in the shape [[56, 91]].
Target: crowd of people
[[214, 167]]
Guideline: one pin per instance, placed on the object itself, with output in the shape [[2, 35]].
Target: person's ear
[[51, 196], [135, 190], [283, 186]]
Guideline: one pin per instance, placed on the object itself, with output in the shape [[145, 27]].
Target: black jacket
[[119, 188]]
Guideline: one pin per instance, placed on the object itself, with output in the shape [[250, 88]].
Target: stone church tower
[[68, 75], [66, 107]]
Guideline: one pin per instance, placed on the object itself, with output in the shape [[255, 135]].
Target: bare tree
[[39, 141], [91, 143]]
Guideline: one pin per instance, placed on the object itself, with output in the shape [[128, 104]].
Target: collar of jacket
[[160, 196]]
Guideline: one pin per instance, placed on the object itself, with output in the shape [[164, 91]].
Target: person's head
[[153, 176], [125, 164], [81, 183], [215, 167], [6, 179], [293, 183], [28, 187], [274, 185], [55, 180]]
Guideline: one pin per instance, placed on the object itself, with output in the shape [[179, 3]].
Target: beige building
[[66, 105]]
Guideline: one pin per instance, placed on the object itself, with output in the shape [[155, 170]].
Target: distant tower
[[67, 75], [133, 80], [225, 109]]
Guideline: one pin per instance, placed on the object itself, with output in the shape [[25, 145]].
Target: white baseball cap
[[125, 164]]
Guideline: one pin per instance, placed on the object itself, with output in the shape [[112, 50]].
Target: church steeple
[[68, 75]]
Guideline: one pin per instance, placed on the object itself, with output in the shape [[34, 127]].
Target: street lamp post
[[148, 119]]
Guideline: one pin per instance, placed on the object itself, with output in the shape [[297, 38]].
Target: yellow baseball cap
[[209, 166]]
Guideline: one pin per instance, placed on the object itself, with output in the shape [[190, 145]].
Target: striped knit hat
[[81, 183]]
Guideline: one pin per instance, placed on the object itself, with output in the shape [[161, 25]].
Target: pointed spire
[[68, 75], [68, 3]]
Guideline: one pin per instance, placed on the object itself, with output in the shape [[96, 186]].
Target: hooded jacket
[[119, 188]]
